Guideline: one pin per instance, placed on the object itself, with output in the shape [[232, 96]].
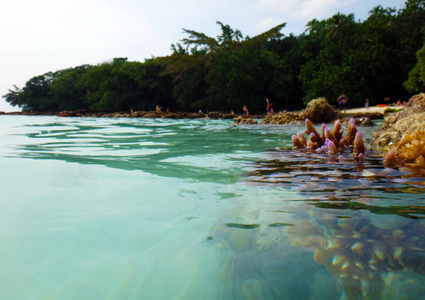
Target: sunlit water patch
[[199, 209]]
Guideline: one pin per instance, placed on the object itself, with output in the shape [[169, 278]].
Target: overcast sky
[[48, 35]]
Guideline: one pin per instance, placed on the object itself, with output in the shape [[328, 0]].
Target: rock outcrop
[[320, 111], [410, 119], [317, 111], [409, 152], [402, 136], [283, 117], [243, 120]]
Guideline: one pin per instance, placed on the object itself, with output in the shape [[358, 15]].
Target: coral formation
[[409, 152], [330, 141], [358, 146], [358, 253], [351, 132], [337, 132], [370, 244]]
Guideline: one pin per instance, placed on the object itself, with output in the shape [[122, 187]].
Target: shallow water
[[198, 209]]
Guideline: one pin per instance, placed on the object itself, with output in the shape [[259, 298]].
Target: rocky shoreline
[[320, 111], [402, 137], [136, 114]]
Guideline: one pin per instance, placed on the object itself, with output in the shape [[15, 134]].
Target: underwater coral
[[360, 255]]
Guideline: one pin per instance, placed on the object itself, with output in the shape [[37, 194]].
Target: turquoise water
[[199, 209]]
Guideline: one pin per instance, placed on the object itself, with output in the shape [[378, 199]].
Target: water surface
[[199, 209]]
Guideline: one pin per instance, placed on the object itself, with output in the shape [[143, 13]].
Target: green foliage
[[364, 60], [68, 89], [370, 59], [117, 85], [36, 93], [416, 80]]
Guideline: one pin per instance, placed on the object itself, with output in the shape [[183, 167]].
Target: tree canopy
[[382, 56]]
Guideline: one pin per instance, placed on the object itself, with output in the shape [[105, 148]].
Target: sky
[[40, 36]]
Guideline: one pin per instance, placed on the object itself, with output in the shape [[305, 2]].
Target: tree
[[68, 90], [14, 97], [416, 81], [35, 95], [114, 86], [211, 74], [369, 59], [329, 69]]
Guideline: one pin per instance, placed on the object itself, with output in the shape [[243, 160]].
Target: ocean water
[[199, 209]]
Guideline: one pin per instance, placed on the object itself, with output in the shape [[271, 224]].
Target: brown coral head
[[390, 160], [312, 145], [302, 139], [329, 135], [337, 131], [358, 146], [351, 132], [332, 149], [310, 127], [296, 143]]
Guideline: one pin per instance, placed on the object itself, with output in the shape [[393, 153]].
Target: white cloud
[[307, 9]]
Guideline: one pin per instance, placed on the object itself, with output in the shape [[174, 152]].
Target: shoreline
[[354, 112]]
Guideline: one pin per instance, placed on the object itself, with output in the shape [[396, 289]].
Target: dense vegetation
[[382, 56]]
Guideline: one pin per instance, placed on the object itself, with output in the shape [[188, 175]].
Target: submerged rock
[[243, 120], [366, 121]]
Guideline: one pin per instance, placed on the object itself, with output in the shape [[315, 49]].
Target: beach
[[372, 109]]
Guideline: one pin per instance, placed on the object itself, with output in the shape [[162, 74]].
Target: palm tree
[[335, 26], [229, 39]]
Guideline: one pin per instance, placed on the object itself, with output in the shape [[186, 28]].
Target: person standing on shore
[[245, 110], [269, 107], [366, 105], [343, 101]]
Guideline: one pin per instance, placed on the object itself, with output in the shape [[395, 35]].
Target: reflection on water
[[362, 221], [346, 183], [319, 175], [192, 209], [167, 148], [365, 254]]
